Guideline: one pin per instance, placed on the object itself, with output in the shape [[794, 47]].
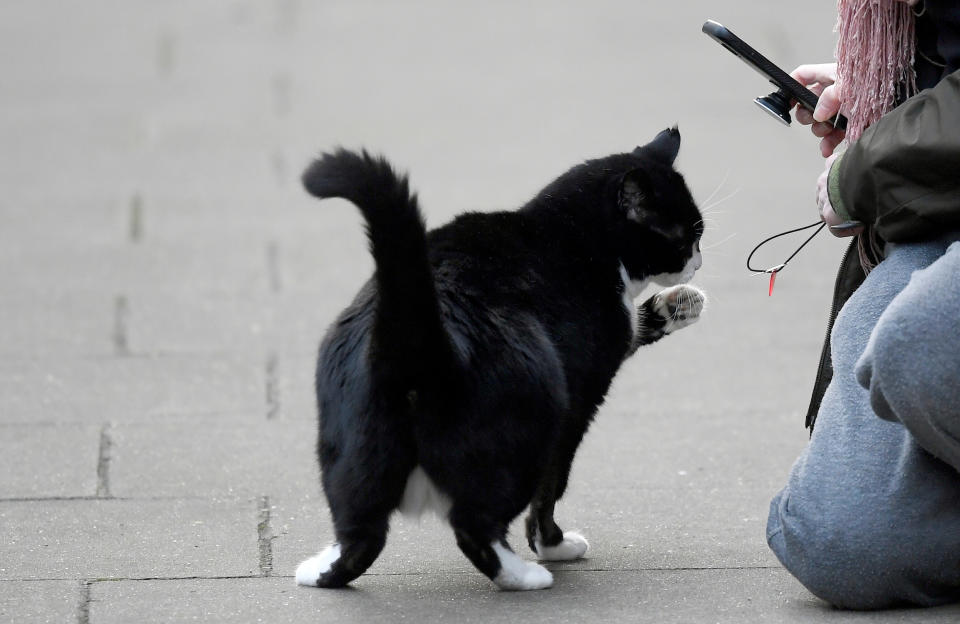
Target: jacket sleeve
[[903, 174]]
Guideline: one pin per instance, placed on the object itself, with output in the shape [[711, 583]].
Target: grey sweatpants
[[870, 515]]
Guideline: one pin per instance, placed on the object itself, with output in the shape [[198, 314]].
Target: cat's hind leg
[[485, 545], [354, 551], [362, 487], [549, 541], [543, 535]]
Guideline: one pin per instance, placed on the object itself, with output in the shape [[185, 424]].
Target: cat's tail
[[411, 344]]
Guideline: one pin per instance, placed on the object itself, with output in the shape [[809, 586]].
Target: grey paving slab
[[48, 460], [696, 449], [40, 601], [648, 596], [98, 390], [123, 103], [183, 457], [211, 324], [36, 225], [85, 539], [326, 252], [628, 528], [48, 324], [205, 324], [295, 375], [298, 320], [162, 273], [237, 268]]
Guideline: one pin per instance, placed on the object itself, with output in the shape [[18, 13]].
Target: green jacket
[[903, 177]]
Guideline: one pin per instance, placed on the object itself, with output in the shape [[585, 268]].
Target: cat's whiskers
[[708, 219], [713, 223], [707, 208], [707, 301], [710, 274], [717, 244], [710, 211], [719, 186]]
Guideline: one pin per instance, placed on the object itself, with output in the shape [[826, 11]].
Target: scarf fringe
[[875, 54]]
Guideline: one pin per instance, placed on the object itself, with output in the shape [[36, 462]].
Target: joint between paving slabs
[[103, 462], [272, 389], [287, 14], [83, 608], [281, 88], [136, 218], [265, 536], [121, 319], [273, 267], [278, 163], [166, 53]]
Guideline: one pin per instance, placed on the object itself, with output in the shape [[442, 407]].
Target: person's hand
[[837, 226], [821, 79]]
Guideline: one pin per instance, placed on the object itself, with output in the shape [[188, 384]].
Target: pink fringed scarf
[[874, 58], [875, 52]]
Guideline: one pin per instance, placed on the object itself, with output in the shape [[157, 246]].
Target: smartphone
[[777, 104]]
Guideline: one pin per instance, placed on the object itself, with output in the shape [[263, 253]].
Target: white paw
[[530, 576], [310, 571], [679, 305], [573, 546], [517, 574]]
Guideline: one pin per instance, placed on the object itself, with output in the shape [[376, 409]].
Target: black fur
[[481, 350]]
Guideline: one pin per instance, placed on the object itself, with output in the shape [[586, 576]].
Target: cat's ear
[[634, 191], [664, 147]]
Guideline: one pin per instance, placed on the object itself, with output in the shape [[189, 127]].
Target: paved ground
[[164, 283]]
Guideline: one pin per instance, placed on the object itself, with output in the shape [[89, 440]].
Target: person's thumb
[[828, 105]]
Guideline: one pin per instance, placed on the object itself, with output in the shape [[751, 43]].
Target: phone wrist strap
[[776, 269]]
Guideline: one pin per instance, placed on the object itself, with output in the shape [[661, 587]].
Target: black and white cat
[[465, 373]]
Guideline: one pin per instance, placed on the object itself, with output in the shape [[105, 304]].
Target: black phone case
[[780, 79]]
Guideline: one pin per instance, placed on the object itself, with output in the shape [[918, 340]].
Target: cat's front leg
[[667, 311]]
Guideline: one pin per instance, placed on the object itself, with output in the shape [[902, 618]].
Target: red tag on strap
[[773, 278]]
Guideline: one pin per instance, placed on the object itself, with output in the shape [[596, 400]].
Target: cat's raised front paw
[[679, 306]]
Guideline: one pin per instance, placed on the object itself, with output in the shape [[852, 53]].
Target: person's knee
[[838, 559], [910, 369], [914, 347], [884, 367]]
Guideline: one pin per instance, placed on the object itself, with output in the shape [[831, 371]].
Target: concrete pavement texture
[[165, 282]]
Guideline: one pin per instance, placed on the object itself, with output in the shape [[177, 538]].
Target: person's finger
[[821, 128], [826, 148], [836, 137], [808, 74], [830, 142], [828, 105], [837, 226], [804, 116]]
